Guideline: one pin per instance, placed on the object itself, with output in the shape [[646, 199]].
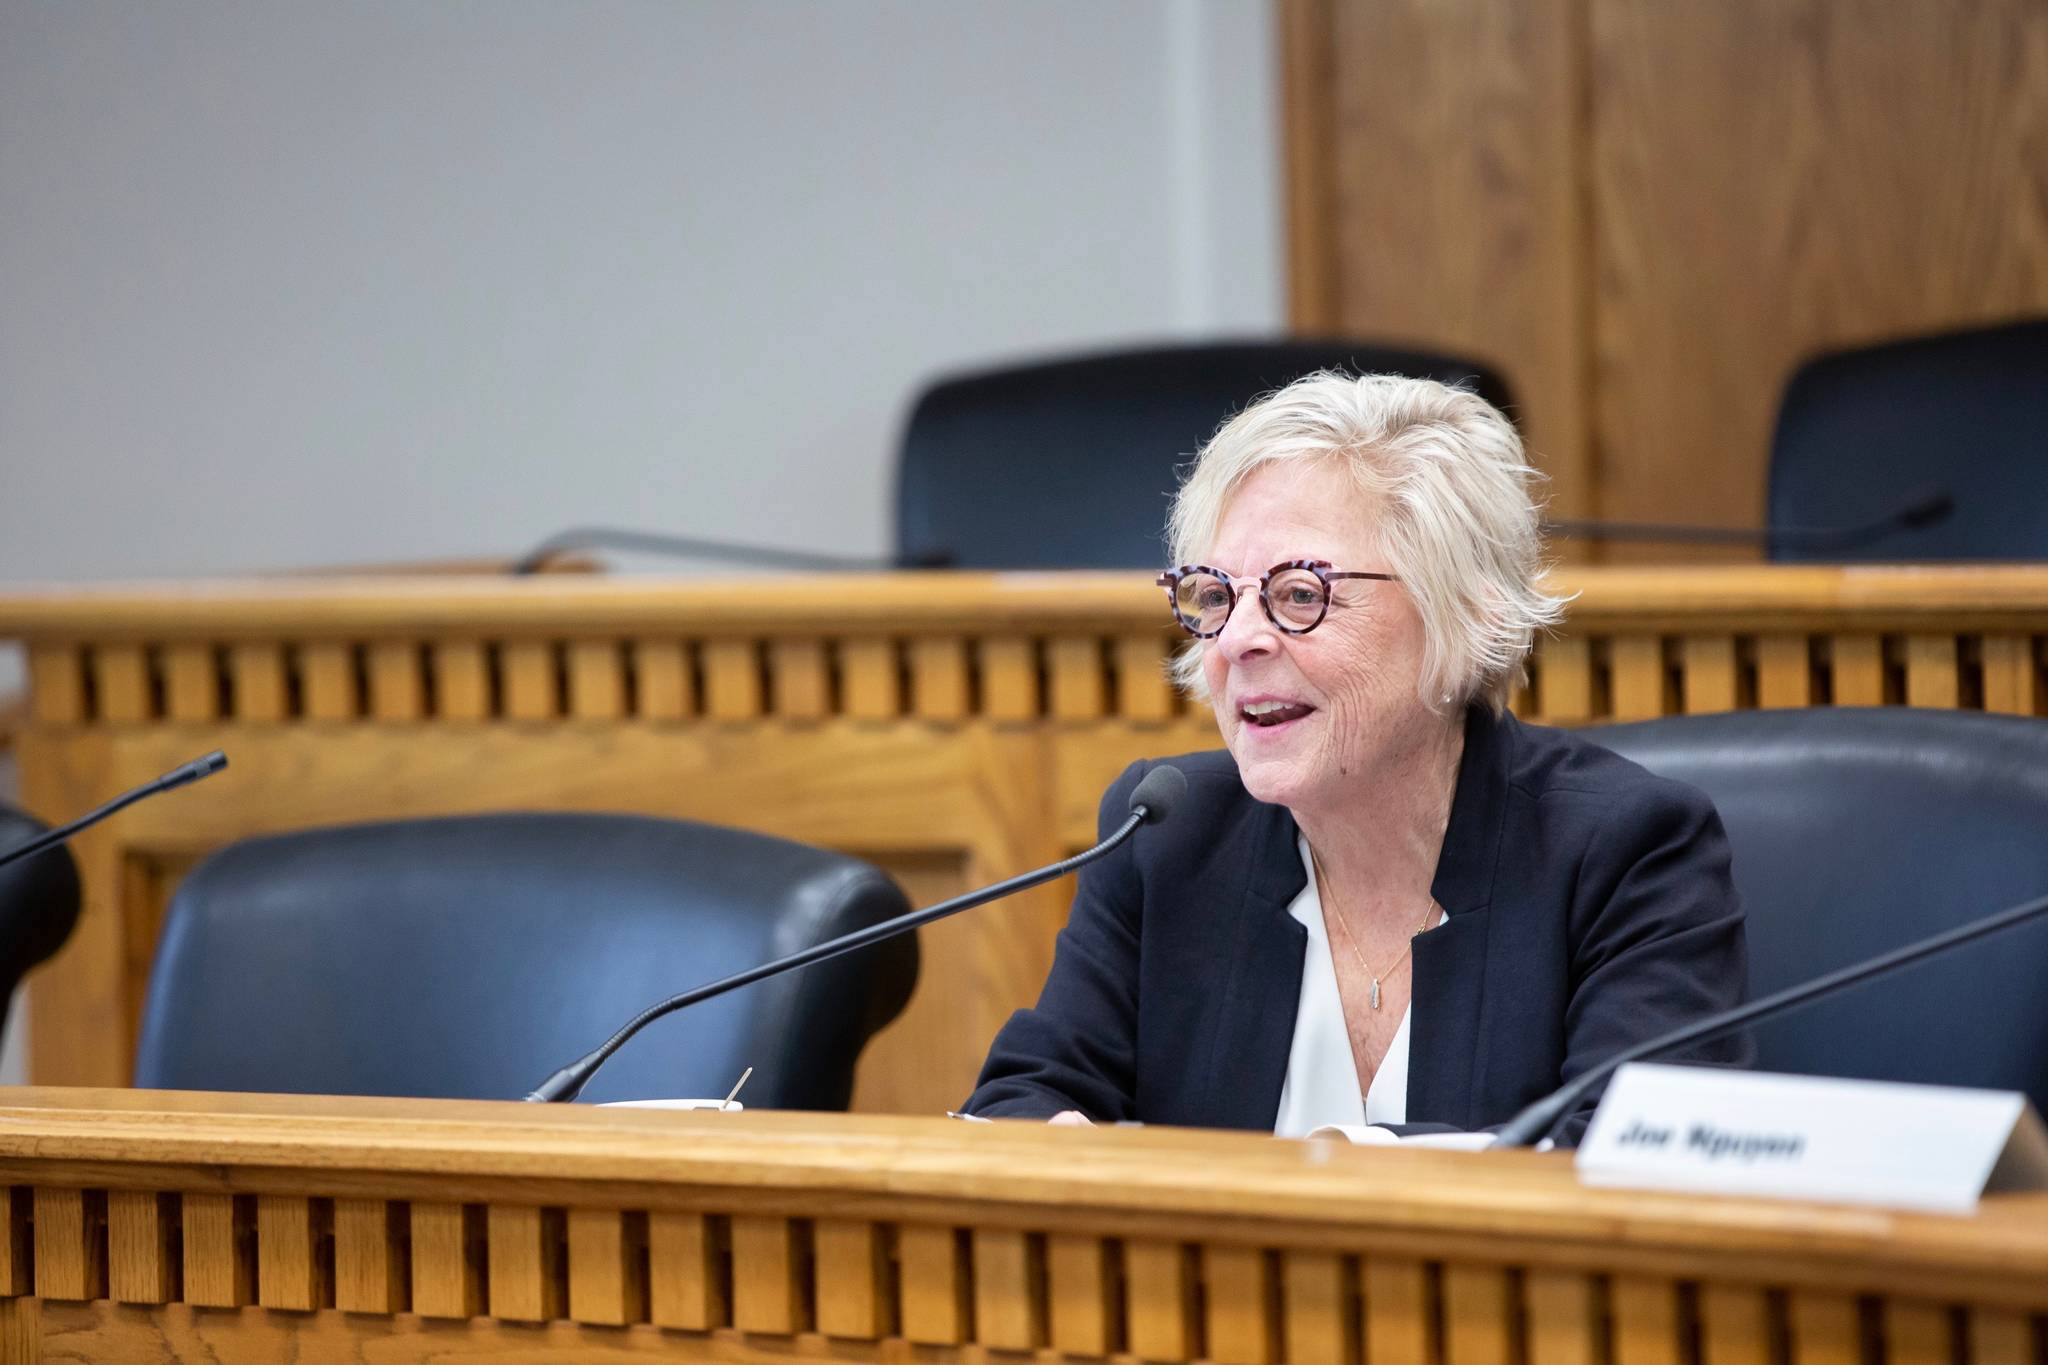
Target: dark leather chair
[[1857, 830], [1863, 432], [1069, 463], [39, 900], [468, 957]]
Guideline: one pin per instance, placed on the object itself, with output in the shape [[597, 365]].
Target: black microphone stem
[[1540, 1118], [692, 547], [569, 1081], [176, 777], [1924, 510]]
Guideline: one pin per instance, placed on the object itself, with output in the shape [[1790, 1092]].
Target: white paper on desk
[[1366, 1135]]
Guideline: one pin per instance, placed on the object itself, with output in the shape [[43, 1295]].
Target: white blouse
[[1322, 1076]]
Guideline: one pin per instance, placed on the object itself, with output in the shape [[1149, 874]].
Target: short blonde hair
[[1461, 529]]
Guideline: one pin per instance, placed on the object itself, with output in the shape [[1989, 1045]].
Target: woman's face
[[1349, 707]]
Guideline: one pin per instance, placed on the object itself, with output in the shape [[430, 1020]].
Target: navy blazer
[[1587, 907]]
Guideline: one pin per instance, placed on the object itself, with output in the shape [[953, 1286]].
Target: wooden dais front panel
[[318, 1230]]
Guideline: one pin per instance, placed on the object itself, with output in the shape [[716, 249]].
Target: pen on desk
[[970, 1118], [726, 1103]]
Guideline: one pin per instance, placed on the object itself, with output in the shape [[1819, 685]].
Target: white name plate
[[1709, 1131]]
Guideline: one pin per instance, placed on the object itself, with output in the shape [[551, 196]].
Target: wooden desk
[[146, 1226], [954, 728]]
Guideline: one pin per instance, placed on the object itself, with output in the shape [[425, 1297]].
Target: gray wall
[[291, 283], [303, 283]]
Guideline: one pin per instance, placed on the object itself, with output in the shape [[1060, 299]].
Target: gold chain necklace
[[1373, 999]]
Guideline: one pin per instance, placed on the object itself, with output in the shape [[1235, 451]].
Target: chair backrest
[[1860, 830], [39, 900], [468, 957], [1863, 432], [1069, 463]]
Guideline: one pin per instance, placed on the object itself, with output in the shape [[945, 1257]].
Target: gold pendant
[[1374, 998]]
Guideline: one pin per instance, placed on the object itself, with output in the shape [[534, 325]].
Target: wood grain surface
[[574, 1232], [1650, 214]]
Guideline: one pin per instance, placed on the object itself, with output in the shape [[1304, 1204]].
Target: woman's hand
[[1070, 1118]]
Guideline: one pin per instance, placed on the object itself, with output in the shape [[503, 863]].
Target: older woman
[[1389, 902]]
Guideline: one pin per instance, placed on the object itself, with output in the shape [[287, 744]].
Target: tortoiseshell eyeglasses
[[1296, 595]]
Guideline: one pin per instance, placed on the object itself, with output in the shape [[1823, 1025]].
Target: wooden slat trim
[[1784, 670], [121, 682], [732, 680], [1735, 1325], [2012, 675], [141, 1267], [219, 1250], [1856, 670], [1082, 1295], [1143, 692], [256, 681], [1007, 1311], [687, 1272], [17, 1241], [462, 680], [1564, 679], [766, 1295], [1824, 1329], [597, 680], [290, 1269], [799, 680], [1075, 664], [933, 1307], [1010, 688], [398, 684], [1710, 676], [939, 680], [1637, 678], [1318, 1290], [853, 1280], [530, 680], [1917, 1334], [1996, 1335], [191, 683], [71, 1246], [1239, 1296], [1398, 1322], [1564, 1311], [607, 1281], [666, 678], [327, 681], [1159, 1300], [1933, 677], [56, 682], [447, 1260], [869, 679], [371, 1270], [1479, 1313], [527, 1279]]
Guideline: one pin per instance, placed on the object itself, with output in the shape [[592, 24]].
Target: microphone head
[[206, 766], [1157, 792]]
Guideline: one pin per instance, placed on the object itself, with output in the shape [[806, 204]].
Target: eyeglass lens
[[1295, 598]]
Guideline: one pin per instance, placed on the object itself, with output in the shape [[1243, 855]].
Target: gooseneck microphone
[[1152, 800], [692, 547], [1923, 509], [1540, 1118], [176, 777]]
